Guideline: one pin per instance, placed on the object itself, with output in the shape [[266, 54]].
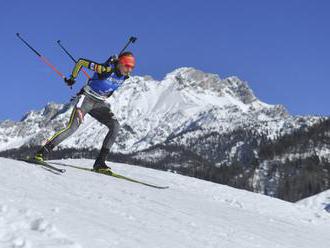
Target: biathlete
[[106, 79]]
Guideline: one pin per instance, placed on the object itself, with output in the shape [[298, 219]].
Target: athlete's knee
[[116, 126], [113, 126], [74, 122]]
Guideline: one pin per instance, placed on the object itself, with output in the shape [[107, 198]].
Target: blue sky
[[281, 48]]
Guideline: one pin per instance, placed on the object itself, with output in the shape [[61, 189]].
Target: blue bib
[[106, 83]]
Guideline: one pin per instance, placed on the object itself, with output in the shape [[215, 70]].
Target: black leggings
[[98, 109]]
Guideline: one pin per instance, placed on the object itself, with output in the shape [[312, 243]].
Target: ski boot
[[100, 166], [40, 155]]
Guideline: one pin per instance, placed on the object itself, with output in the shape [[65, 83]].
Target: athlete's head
[[126, 63]]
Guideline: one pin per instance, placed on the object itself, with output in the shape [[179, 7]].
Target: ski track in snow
[[83, 209]]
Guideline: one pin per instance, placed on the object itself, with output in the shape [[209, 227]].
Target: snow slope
[[82, 209], [319, 201]]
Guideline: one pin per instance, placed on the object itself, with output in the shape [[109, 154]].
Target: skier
[[107, 78]]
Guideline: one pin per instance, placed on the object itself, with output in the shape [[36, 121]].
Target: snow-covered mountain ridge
[[198, 124], [151, 111]]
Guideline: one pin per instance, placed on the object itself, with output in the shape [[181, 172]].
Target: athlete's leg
[[83, 105], [104, 115]]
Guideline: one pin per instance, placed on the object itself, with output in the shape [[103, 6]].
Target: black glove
[[69, 81]]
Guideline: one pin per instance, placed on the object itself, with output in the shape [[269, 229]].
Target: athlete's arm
[[98, 68]]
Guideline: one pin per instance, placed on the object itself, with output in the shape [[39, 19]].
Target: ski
[[112, 174], [43, 164]]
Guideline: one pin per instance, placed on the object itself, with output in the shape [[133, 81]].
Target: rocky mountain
[[197, 124]]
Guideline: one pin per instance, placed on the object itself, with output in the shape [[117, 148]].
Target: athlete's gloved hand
[[70, 81]]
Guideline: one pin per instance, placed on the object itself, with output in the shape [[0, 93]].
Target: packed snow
[[319, 201], [39, 208]]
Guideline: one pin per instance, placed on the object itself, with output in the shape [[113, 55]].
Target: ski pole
[[43, 59], [131, 39], [73, 59]]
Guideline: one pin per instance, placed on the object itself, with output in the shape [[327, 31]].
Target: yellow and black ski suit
[[92, 100]]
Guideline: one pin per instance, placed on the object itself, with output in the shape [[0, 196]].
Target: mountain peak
[[191, 76], [48, 112], [188, 77]]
